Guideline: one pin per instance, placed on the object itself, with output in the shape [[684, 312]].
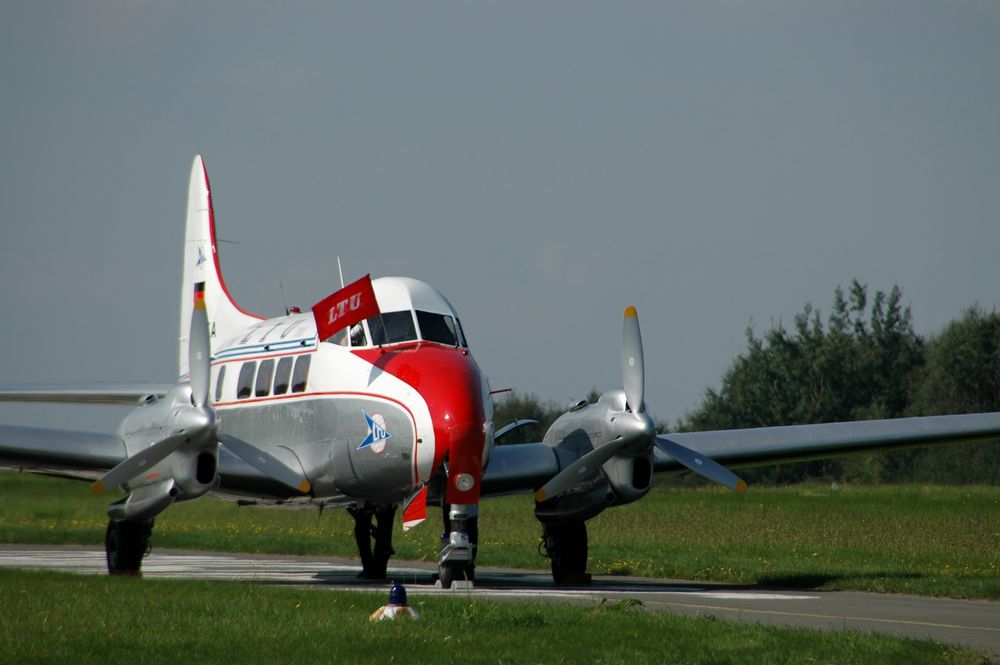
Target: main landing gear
[[457, 560], [374, 560], [565, 545], [126, 543]]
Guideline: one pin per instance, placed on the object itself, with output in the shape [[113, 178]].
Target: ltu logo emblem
[[377, 434], [350, 304]]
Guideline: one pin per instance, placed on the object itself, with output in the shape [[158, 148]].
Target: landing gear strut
[[565, 544], [457, 560], [374, 561], [126, 542]]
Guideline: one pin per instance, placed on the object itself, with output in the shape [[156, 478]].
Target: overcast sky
[[544, 164]]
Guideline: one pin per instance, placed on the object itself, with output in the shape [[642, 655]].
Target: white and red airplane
[[373, 401]]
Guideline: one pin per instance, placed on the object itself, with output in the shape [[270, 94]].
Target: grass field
[[62, 618], [928, 540]]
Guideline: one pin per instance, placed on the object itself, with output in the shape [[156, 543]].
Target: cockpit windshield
[[397, 327], [392, 327]]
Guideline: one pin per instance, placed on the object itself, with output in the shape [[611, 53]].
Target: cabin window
[[398, 327], [437, 328], [300, 375], [282, 374], [219, 380], [263, 385], [245, 381]]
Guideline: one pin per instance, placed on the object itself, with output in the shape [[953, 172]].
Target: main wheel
[[125, 544], [566, 546]]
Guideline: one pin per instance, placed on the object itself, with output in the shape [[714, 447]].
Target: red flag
[[342, 309]]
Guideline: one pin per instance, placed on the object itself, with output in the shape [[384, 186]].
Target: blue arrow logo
[[376, 432]]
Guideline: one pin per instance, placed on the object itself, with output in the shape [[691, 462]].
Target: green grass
[[62, 618], [928, 540]]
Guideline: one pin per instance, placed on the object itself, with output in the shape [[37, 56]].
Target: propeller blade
[[199, 349], [633, 373], [581, 469], [267, 463], [140, 462], [702, 465]]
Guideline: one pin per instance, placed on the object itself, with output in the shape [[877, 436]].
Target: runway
[[967, 622]]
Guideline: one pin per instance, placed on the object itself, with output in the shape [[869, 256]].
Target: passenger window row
[[265, 377]]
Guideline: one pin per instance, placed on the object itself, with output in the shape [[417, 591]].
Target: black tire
[[566, 546], [449, 572], [125, 545]]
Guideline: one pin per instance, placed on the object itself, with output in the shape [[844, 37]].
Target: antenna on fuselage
[[284, 300]]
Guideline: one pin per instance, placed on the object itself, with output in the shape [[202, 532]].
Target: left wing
[[802, 443]]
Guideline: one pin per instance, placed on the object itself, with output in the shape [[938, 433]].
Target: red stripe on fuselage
[[449, 381]]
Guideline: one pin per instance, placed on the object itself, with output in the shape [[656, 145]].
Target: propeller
[[136, 464], [266, 463], [580, 470], [634, 429], [199, 349], [633, 371], [197, 423], [705, 466]]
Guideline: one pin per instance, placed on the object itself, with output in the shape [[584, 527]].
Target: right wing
[[111, 393], [59, 452]]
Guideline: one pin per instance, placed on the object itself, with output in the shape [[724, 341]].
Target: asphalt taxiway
[[967, 622]]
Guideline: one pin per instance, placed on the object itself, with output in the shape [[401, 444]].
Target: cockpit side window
[[398, 328], [437, 328], [461, 334]]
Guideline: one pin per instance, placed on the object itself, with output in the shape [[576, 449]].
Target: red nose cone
[[449, 381]]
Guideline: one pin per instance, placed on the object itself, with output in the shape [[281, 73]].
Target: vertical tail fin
[[201, 264]]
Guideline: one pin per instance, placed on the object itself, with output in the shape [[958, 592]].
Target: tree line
[[864, 361]]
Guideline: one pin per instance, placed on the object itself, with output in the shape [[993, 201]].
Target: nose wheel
[[457, 561]]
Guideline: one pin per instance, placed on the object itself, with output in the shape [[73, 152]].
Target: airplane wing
[[800, 443], [88, 455], [118, 393], [55, 452], [525, 467]]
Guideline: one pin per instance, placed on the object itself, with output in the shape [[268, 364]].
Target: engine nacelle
[[630, 476], [195, 473]]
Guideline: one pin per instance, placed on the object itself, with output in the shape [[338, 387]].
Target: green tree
[[961, 375], [860, 365]]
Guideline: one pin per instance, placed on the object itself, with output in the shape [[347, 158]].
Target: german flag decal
[[199, 295]]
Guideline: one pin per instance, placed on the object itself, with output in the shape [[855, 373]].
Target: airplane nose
[[449, 381], [456, 404]]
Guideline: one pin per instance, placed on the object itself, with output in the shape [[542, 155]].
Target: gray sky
[[542, 163]]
